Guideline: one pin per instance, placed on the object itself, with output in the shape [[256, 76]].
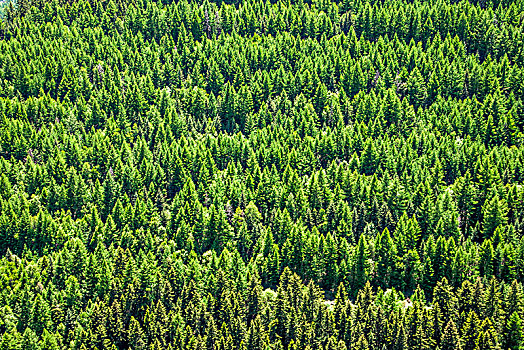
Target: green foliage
[[261, 175]]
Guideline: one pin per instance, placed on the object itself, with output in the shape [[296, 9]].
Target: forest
[[262, 175]]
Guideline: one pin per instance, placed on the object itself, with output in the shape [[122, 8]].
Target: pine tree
[[513, 332], [450, 337], [495, 214], [361, 265]]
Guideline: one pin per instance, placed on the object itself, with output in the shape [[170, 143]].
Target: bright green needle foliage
[[305, 174]]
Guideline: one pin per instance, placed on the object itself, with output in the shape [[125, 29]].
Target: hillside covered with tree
[[262, 175]]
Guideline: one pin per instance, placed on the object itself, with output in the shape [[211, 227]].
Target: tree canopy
[[242, 174]]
